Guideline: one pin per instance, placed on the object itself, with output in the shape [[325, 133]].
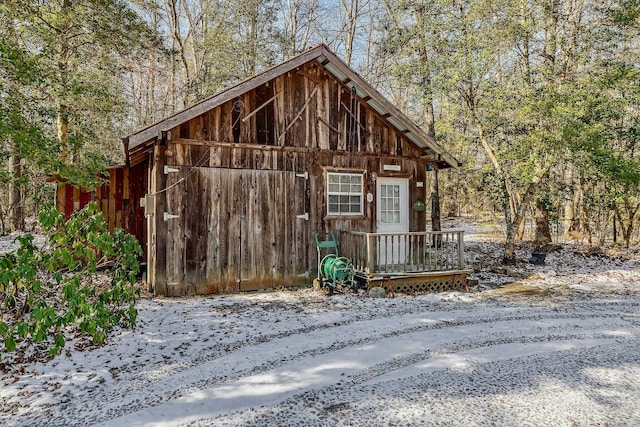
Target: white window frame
[[341, 192]]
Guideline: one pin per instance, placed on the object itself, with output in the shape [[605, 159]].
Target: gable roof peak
[[335, 66]]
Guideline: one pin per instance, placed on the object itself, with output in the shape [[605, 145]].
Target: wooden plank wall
[[118, 199], [318, 122], [247, 235], [237, 225]]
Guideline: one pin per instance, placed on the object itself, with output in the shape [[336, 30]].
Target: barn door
[[176, 224], [236, 230], [272, 238]]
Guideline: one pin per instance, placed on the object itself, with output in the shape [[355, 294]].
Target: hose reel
[[336, 268], [333, 270], [336, 271]]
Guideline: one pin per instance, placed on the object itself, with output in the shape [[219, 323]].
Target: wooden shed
[[118, 198], [239, 183]]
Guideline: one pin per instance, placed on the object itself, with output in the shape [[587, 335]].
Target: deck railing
[[397, 253]]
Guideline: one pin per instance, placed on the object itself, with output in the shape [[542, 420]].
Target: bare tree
[[353, 11], [299, 20]]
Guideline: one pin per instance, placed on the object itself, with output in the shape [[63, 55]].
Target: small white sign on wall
[[419, 184], [396, 168]]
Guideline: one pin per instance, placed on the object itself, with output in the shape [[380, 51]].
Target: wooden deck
[[412, 262]]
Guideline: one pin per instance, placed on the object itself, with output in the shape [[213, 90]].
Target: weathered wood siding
[[240, 186], [245, 236], [118, 199]]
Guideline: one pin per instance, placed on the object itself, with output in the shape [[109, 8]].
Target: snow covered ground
[[559, 348]]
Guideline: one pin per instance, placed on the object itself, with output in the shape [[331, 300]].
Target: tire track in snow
[[283, 358], [299, 343], [589, 382]]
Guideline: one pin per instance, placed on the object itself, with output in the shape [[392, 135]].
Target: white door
[[392, 211]]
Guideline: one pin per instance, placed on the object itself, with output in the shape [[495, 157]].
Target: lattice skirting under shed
[[425, 284]]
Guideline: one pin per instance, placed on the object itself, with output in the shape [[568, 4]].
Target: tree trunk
[[509, 257], [626, 234], [252, 39], [522, 228], [64, 54], [430, 125], [569, 216], [523, 222], [16, 211], [584, 221], [62, 124], [176, 34], [509, 253], [435, 185], [543, 232], [352, 11], [551, 16], [506, 196], [435, 201], [626, 224], [569, 220]]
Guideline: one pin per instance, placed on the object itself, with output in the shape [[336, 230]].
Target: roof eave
[[381, 105]]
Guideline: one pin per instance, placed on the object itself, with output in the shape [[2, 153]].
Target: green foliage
[[32, 84], [47, 294], [541, 96], [71, 60]]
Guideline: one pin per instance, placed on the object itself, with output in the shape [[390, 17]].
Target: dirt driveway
[[301, 358]]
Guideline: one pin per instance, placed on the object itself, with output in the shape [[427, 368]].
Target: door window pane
[[390, 203]]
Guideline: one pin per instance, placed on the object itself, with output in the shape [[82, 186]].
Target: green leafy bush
[[81, 283]]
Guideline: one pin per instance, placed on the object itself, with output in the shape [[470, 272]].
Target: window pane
[[344, 193]]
